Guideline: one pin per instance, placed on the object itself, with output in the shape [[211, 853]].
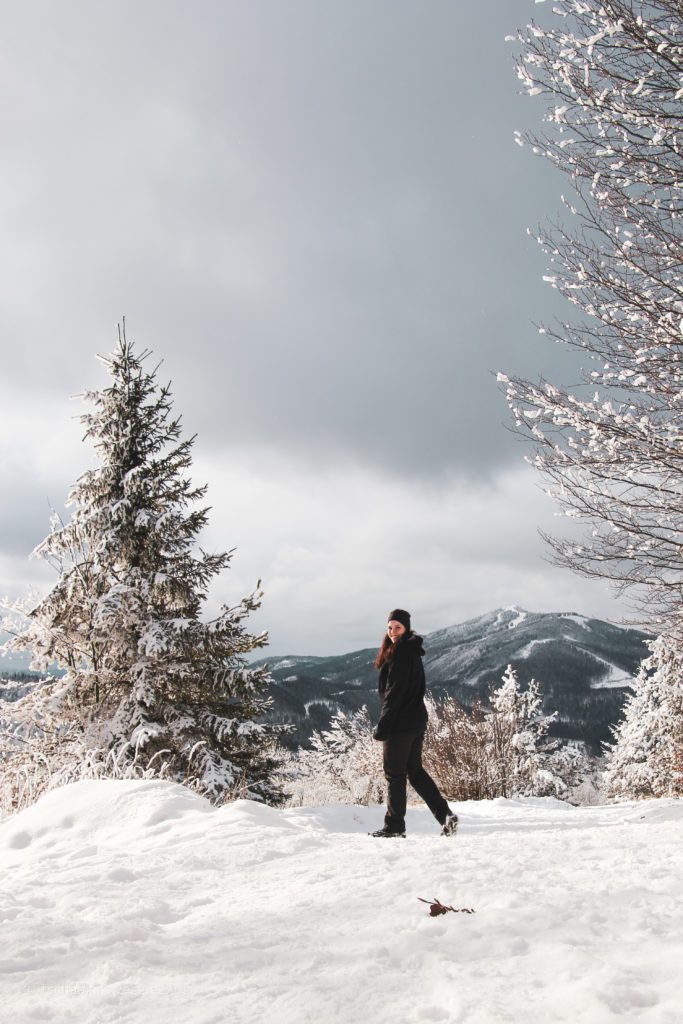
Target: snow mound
[[106, 811], [138, 902]]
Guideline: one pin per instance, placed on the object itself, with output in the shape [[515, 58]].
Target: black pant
[[403, 760]]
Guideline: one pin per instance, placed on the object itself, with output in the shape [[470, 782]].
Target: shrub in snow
[[646, 758], [454, 749], [589, 791], [472, 755], [150, 687], [342, 765], [503, 750]]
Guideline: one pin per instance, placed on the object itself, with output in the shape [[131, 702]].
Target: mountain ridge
[[584, 665]]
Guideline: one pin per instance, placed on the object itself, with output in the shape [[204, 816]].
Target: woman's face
[[395, 630]]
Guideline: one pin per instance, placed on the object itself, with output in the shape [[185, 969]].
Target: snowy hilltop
[[138, 902]]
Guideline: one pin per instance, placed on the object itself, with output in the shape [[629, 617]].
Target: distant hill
[[584, 666]]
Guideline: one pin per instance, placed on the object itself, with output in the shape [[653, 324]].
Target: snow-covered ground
[[140, 902]]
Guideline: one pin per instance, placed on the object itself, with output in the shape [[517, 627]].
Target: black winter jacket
[[402, 689]]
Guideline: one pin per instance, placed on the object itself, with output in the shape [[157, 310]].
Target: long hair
[[385, 652]]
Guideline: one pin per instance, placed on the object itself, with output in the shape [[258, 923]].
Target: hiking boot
[[450, 826], [387, 833]]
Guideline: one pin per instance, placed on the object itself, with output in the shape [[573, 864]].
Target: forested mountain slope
[[584, 666]]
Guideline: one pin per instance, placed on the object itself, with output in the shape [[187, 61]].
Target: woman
[[401, 727]]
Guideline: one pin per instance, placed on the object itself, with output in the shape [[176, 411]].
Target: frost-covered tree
[[611, 447], [516, 745], [149, 686], [646, 758], [342, 765]]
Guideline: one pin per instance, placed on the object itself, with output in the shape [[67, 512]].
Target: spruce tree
[[517, 745], [646, 758], [149, 684]]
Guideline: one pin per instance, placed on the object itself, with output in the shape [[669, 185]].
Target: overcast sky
[[315, 213]]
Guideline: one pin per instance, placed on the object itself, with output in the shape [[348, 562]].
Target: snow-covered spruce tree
[[517, 747], [646, 759], [149, 686], [611, 448]]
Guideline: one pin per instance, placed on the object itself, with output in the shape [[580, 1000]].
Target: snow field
[[139, 902]]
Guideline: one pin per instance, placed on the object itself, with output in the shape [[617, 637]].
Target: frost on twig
[[610, 446]]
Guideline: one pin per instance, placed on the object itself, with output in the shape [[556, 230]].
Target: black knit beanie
[[399, 615]]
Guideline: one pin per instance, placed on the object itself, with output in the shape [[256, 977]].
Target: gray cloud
[[315, 213]]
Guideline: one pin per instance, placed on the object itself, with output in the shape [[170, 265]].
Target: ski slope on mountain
[[126, 902]]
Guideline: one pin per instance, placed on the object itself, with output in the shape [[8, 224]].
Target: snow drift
[[127, 902]]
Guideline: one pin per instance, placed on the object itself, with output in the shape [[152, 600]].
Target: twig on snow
[[436, 908]]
